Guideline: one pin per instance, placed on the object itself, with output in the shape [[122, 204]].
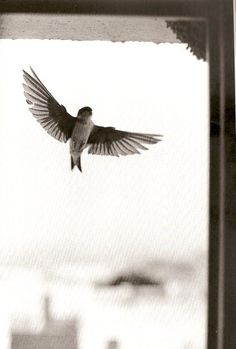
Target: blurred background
[[115, 257]]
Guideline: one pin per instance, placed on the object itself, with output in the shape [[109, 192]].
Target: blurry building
[[112, 344], [56, 334]]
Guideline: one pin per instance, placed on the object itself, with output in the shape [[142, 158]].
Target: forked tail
[[78, 163]]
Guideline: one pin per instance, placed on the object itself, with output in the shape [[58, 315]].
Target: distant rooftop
[[56, 334]]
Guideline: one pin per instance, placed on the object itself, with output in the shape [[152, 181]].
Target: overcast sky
[[120, 209]]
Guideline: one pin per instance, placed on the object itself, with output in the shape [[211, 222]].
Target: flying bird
[[81, 130]]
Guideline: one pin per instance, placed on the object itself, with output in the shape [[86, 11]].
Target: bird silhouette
[[81, 130]]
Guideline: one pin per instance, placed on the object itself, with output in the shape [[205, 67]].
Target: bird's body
[[81, 130], [79, 139]]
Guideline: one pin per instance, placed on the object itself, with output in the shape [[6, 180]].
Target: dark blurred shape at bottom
[[56, 334]]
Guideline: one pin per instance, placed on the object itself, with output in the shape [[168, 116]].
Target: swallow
[[81, 130]]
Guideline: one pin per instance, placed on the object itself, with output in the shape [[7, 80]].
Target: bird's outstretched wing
[[109, 141], [47, 111]]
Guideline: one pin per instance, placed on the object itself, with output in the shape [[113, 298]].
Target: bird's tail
[[75, 162], [72, 165], [79, 164]]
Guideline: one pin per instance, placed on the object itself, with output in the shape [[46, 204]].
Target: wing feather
[[38, 106], [129, 146], [127, 149], [114, 150], [36, 82], [102, 149], [34, 92], [110, 152], [120, 149], [99, 148], [32, 98], [137, 144], [105, 146], [95, 148]]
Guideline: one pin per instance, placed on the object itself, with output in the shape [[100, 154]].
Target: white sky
[[120, 209]]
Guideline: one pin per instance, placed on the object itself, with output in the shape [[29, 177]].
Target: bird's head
[[85, 112]]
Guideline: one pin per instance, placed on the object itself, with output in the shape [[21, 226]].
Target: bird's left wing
[[109, 141], [52, 116]]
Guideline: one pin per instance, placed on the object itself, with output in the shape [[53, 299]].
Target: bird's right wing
[[52, 116]]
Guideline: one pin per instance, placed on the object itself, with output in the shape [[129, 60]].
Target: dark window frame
[[222, 224]]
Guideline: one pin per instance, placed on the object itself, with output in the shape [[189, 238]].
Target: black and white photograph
[[105, 182]]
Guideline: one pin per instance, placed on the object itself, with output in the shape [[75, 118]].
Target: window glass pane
[[121, 247]]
